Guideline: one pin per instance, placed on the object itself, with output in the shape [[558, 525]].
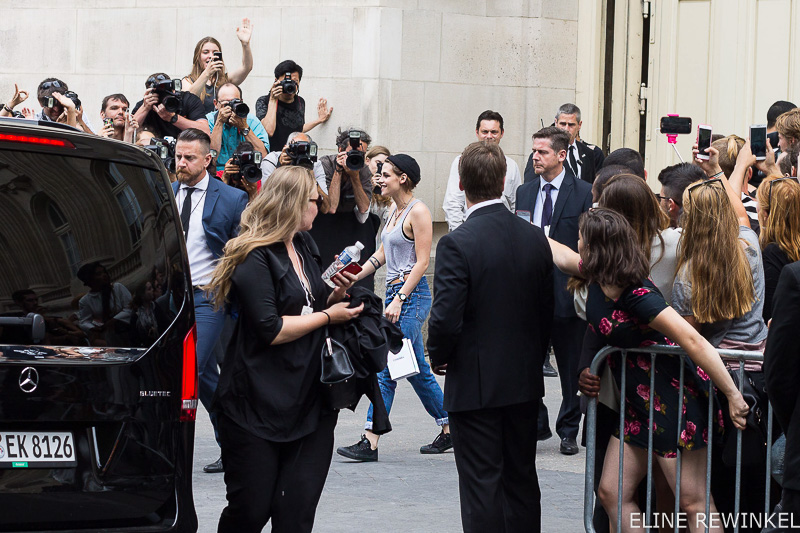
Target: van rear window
[[92, 247]]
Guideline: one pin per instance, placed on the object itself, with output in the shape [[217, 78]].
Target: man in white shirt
[[488, 128], [210, 214]]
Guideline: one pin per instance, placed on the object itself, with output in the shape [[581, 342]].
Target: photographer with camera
[[56, 100], [117, 122], [242, 172], [166, 110], [284, 110], [299, 151], [234, 125]]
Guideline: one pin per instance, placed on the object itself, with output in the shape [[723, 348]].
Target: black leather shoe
[[360, 451], [568, 446], [215, 467], [548, 371], [544, 434], [440, 444]]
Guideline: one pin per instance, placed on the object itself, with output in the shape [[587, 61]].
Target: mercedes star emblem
[[28, 379]]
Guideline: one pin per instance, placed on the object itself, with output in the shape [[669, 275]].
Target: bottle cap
[[359, 245]]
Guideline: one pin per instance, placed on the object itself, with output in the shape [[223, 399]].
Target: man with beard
[[210, 215], [117, 123]]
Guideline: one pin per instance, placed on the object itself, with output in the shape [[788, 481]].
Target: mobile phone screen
[[676, 125], [758, 141], [703, 140]]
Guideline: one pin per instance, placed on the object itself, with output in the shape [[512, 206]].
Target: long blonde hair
[[722, 283], [782, 215], [198, 69], [272, 217]]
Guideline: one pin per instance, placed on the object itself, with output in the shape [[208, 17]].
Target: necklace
[[399, 211]]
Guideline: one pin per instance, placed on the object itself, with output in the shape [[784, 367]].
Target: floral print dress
[[624, 323]]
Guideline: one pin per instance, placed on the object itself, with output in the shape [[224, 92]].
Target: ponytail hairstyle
[[728, 148]]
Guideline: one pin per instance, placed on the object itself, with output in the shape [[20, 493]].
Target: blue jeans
[[209, 327], [415, 310]]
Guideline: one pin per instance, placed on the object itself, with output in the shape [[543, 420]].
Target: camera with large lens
[[72, 95], [165, 150], [248, 161], [239, 108], [288, 85], [168, 92], [355, 157], [302, 153]]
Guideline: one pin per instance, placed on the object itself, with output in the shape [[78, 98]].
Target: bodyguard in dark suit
[[583, 159], [782, 371], [554, 200], [488, 331], [210, 214]]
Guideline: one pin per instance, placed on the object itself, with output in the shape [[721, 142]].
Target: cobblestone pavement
[[404, 491]]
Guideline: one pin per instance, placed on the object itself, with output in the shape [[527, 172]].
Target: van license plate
[[37, 449]]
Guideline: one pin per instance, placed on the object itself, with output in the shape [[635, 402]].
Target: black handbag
[[338, 376], [754, 436]]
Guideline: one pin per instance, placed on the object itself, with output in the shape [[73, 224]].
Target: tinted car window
[[90, 245]]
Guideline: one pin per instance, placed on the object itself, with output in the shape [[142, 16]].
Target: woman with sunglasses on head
[[208, 69], [406, 251], [626, 310], [779, 217], [275, 431]]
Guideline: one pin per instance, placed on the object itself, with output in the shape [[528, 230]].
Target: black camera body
[[72, 95], [288, 85], [165, 150], [168, 92], [249, 163], [239, 108], [355, 157], [302, 153]]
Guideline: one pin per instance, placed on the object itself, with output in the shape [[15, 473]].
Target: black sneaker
[[440, 444], [360, 451]]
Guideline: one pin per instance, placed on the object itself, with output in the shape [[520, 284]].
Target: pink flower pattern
[[641, 291], [620, 316], [605, 327], [643, 362], [644, 392], [702, 374]]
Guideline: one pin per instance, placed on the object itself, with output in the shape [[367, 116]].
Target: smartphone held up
[[703, 141]]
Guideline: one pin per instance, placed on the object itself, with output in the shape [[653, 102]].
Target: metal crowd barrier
[[591, 434]]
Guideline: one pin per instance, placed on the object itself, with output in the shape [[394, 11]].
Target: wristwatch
[[245, 132], [174, 118], [402, 296]]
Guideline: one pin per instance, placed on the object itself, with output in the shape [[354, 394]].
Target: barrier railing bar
[[621, 439], [708, 449], [650, 436], [737, 498], [679, 452]]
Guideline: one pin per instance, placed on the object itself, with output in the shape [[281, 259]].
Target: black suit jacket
[[492, 310], [591, 159], [782, 367], [574, 198]]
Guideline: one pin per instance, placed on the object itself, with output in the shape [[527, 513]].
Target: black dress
[[624, 323]]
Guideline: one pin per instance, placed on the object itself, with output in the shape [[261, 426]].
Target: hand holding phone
[[758, 141], [703, 141]]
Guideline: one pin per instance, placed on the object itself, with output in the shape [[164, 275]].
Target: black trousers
[[567, 339], [495, 452], [281, 481]]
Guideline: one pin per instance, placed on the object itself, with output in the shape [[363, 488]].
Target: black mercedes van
[[98, 376]]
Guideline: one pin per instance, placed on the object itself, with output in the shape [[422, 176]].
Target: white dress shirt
[[455, 202], [576, 171], [201, 260], [481, 204], [539, 206]]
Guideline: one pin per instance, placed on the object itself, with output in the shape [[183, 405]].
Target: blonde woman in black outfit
[[276, 434]]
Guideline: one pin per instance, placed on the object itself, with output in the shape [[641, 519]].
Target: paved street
[[403, 491]]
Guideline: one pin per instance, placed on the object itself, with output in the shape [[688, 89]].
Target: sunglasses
[[703, 183], [773, 182], [318, 200], [153, 79], [49, 84]]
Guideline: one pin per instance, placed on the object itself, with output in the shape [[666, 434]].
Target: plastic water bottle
[[351, 254]]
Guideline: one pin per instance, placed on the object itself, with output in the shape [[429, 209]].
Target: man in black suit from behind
[[488, 331], [583, 159], [554, 200], [782, 371]]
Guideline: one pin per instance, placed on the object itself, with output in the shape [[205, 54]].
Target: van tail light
[[30, 139], [189, 384]]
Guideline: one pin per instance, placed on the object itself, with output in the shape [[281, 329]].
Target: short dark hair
[[288, 66], [489, 115], [343, 137], [627, 157], [605, 174], [20, 295], [193, 134], [612, 254], [674, 179], [42, 93], [559, 139], [115, 96], [482, 171], [230, 83], [777, 109]]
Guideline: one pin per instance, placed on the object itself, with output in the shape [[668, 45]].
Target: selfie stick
[[672, 138]]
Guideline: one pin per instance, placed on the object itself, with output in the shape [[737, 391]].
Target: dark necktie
[[186, 210], [572, 161], [547, 208]]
